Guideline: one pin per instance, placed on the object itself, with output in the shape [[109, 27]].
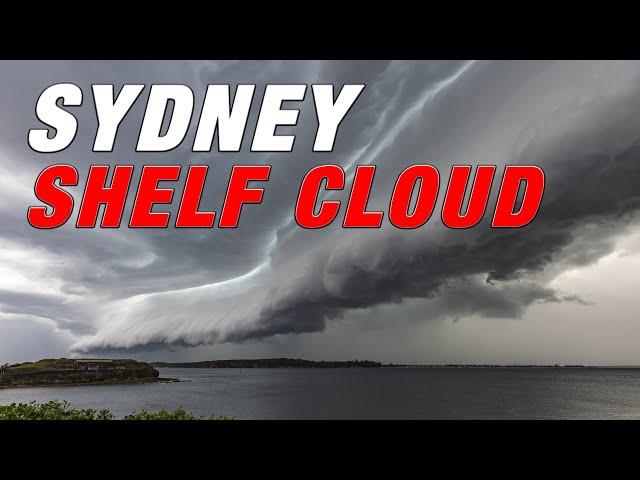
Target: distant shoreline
[[267, 363]]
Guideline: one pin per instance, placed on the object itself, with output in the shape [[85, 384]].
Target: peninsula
[[89, 371]]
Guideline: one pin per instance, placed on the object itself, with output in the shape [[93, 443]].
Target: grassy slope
[[39, 366]]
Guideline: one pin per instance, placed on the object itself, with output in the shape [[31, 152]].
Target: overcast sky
[[561, 290]]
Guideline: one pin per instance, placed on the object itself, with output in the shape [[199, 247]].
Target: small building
[[94, 364]]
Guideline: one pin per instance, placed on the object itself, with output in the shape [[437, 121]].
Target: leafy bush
[[61, 410], [178, 414], [53, 410]]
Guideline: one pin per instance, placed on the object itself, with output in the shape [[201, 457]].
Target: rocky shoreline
[[88, 383]]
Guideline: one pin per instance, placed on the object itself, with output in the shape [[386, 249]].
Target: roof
[[94, 360]]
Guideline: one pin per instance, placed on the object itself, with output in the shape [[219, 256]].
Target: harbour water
[[375, 393]]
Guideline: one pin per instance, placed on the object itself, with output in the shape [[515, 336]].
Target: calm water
[[402, 393]]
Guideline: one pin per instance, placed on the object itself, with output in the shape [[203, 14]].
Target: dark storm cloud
[[179, 259], [462, 297], [165, 287], [593, 171]]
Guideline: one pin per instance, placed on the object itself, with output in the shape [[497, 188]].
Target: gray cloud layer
[[140, 289]]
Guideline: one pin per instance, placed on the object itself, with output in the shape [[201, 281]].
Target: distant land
[[299, 363], [98, 371], [63, 371], [270, 363]]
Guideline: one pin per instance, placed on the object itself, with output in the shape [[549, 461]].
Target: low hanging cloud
[[587, 146]]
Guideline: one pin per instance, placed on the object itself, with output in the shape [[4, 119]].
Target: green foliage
[[61, 410], [178, 414], [53, 410]]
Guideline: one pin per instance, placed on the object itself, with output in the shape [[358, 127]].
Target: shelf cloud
[[146, 289]]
